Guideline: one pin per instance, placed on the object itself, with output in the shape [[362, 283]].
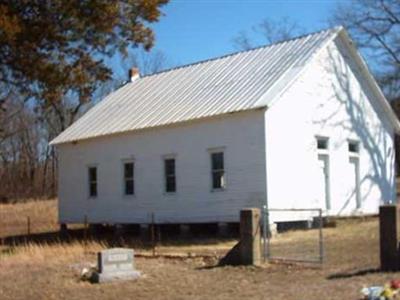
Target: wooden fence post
[[250, 237], [388, 236], [152, 233], [85, 233], [248, 250], [28, 225]]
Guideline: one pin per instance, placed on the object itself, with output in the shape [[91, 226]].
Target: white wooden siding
[[240, 134], [272, 150], [331, 99]]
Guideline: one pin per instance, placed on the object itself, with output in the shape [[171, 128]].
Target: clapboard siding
[[330, 99], [241, 136], [271, 147]]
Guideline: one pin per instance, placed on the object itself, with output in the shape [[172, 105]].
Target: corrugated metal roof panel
[[226, 84]]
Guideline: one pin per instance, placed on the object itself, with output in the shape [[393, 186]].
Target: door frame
[[324, 156], [355, 159]]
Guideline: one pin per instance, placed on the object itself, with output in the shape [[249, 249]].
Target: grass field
[[14, 217], [51, 271]]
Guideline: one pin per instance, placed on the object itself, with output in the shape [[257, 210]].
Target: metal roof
[[236, 82]]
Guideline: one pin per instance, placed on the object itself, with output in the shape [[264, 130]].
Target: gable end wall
[[330, 99]]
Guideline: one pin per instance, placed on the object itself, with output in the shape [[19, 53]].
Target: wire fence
[[293, 235], [26, 225], [37, 223], [27, 219], [288, 234]]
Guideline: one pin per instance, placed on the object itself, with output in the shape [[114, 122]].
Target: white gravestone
[[116, 264]]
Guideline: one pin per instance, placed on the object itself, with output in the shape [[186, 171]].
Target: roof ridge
[[158, 102], [336, 28]]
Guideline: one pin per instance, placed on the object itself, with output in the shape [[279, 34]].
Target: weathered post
[[28, 226], [248, 250], [63, 230], [250, 237], [388, 235], [153, 235], [85, 234]]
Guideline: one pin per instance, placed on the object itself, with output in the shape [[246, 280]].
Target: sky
[[194, 30]]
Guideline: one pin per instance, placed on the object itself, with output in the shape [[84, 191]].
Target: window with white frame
[[218, 170], [170, 175], [92, 174], [322, 143], [353, 147], [129, 181]]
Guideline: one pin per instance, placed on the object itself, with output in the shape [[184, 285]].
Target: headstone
[[116, 264]]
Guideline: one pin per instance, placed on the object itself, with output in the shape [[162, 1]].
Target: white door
[[323, 182], [354, 180]]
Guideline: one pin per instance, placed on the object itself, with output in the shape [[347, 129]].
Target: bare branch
[[242, 41], [270, 31], [375, 26]]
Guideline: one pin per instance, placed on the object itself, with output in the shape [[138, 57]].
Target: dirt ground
[[351, 262]]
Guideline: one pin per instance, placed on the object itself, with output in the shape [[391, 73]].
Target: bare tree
[[28, 165], [20, 151], [375, 26], [58, 116], [267, 32], [148, 62], [242, 41], [278, 31]]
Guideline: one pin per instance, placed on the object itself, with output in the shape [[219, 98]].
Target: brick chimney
[[133, 74]]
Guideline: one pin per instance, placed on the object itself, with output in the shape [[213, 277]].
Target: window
[[322, 143], [129, 186], [170, 176], [217, 170], [92, 181], [353, 147]]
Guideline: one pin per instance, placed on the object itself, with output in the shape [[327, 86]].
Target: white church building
[[297, 124]]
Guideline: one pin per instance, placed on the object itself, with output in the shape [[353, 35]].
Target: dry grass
[[304, 244], [51, 271], [31, 253], [14, 217]]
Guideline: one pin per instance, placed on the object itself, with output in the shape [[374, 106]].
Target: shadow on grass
[[358, 273], [111, 237]]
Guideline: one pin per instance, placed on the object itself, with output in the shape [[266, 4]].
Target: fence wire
[[27, 219], [293, 235]]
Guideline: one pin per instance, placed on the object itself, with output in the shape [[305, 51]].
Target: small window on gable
[[92, 172], [170, 176], [218, 170], [129, 183], [322, 143], [354, 147]]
